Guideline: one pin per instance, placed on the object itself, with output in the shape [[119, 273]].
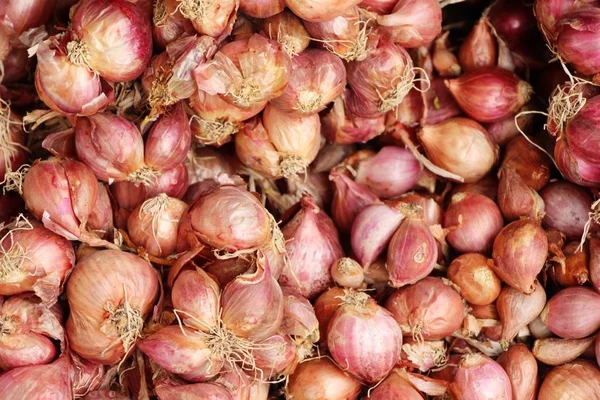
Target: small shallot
[[522, 370], [575, 380], [480, 378], [478, 283], [516, 310], [572, 313], [412, 23], [321, 379]]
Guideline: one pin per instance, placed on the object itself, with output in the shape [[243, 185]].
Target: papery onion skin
[[572, 313], [577, 40], [517, 310], [349, 198], [516, 199], [519, 254], [86, 376], [479, 48], [575, 168], [168, 23], [212, 18], [317, 11], [364, 337], [38, 381], [529, 162], [299, 318], [549, 12], [473, 222], [479, 377], [412, 23], [124, 283], [381, 7], [312, 244], [287, 29], [522, 370], [340, 126], [461, 146], [196, 294], [578, 380], [13, 152], [101, 219], [116, 36], [478, 283], [444, 61], [489, 94], [430, 309], [567, 207], [322, 379], [317, 77], [169, 140], [261, 8]]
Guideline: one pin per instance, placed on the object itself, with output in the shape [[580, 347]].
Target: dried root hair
[[215, 132], [155, 207], [291, 165], [145, 175], [13, 180], [78, 53], [13, 257], [8, 148], [402, 85], [354, 50]]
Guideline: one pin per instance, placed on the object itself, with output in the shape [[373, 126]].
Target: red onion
[[473, 221], [575, 168], [38, 381], [169, 140], [340, 126], [246, 73], [550, 12], [299, 319], [168, 23], [261, 8], [444, 61], [477, 282], [412, 252], [578, 380], [479, 377], [319, 10], [321, 379], [312, 244], [516, 310], [210, 18], [460, 146], [412, 23], [479, 47], [21, 16], [519, 254], [86, 376], [395, 386], [196, 296], [528, 161], [111, 37], [364, 338], [279, 145], [553, 351], [522, 370], [567, 208], [381, 81], [571, 314], [516, 199], [349, 198], [317, 78], [207, 391], [287, 29], [64, 86], [104, 328], [13, 152], [430, 309], [489, 94], [348, 273], [372, 231], [577, 38], [325, 305]]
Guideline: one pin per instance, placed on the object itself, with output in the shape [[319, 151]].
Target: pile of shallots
[[299, 199]]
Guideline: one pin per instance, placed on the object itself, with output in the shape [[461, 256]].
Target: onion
[[381, 7], [395, 386], [168, 141], [246, 73], [224, 271], [287, 29], [504, 130], [207, 391], [530, 163], [473, 221], [236, 382], [550, 12], [578, 380], [412, 23], [321, 379], [86, 376], [553, 351], [571, 314], [278, 357], [444, 61], [517, 310], [460, 146], [104, 327], [489, 94], [577, 37], [349, 198], [212, 18], [317, 78], [372, 231], [261, 8], [380, 82], [519, 254], [153, 224], [13, 152], [281, 145], [538, 329], [299, 319], [364, 337], [312, 244], [478, 283], [479, 47], [412, 252], [432, 211], [439, 105], [325, 305], [111, 37], [347, 273], [207, 163], [479, 377], [341, 126], [516, 199], [64, 86], [429, 310], [318, 11], [574, 269], [168, 23], [38, 381], [522, 370], [567, 208], [27, 328], [32, 258], [21, 16]]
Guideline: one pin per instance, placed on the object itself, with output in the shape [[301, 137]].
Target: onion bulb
[[321, 379], [522, 370], [287, 29], [479, 377], [571, 313], [517, 310], [261, 8], [576, 380], [38, 381], [412, 23], [212, 17], [319, 10], [478, 283]]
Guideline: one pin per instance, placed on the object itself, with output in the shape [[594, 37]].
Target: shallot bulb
[[444, 61], [196, 296], [341, 126], [478, 283], [86, 376], [153, 224], [430, 309], [325, 305], [64, 86], [473, 221], [212, 17], [549, 12], [279, 144], [312, 244], [261, 8], [349, 198], [347, 273], [287, 29], [319, 10], [522, 370], [169, 140], [246, 73], [101, 220], [321, 379], [517, 310], [554, 351], [38, 381], [567, 207], [412, 23], [516, 199], [528, 161], [21, 16], [577, 380], [111, 37], [32, 258], [299, 319], [364, 337], [571, 314], [577, 40], [489, 94], [479, 48], [479, 377], [460, 146], [110, 293], [168, 23], [13, 152], [317, 77], [380, 82], [519, 254]]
